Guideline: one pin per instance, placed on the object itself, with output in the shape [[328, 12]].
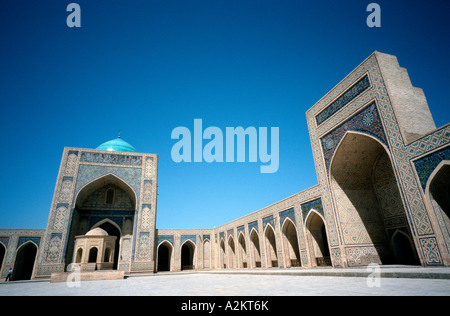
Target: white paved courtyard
[[231, 284]]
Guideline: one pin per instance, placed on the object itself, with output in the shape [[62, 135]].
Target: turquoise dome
[[117, 145]]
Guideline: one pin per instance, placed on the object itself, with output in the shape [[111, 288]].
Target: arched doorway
[[231, 253], [79, 255], [366, 195], [255, 249], [93, 253], [402, 246], [113, 230], [164, 256], [271, 247], [316, 238], [25, 260], [438, 194], [222, 255], [290, 240], [187, 256], [107, 202], [2, 255], [242, 251]]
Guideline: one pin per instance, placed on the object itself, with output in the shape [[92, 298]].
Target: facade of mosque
[[383, 196]]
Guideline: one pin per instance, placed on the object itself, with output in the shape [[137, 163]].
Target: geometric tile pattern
[[185, 238], [426, 165], [4, 241], [431, 251], [240, 229], [25, 239], [87, 173], [366, 121], [169, 239], [253, 225], [111, 159], [12, 239], [205, 237], [314, 204], [353, 189], [290, 213], [268, 220], [359, 105], [80, 167], [361, 85], [400, 152]]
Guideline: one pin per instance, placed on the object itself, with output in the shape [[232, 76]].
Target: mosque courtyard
[[401, 281]]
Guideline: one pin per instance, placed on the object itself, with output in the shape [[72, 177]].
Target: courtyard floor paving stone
[[238, 283]]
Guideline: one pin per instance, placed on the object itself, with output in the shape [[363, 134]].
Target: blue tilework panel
[[366, 121], [111, 159], [287, 214], [88, 173], [426, 165], [314, 204], [23, 240], [95, 216], [168, 238], [4, 241], [253, 225], [192, 238], [268, 220], [353, 92]]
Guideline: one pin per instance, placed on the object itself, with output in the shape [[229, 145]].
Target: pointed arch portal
[[242, 248], [164, 256], [367, 196], [290, 240], [255, 249], [107, 202], [187, 256], [24, 263], [317, 239], [231, 253], [438, 194], [271, 247], [2, 254], [113, 230]]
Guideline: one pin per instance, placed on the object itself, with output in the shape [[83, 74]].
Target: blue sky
[[147, 67]]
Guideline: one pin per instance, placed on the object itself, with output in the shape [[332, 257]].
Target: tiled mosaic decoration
[[361, 104]]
